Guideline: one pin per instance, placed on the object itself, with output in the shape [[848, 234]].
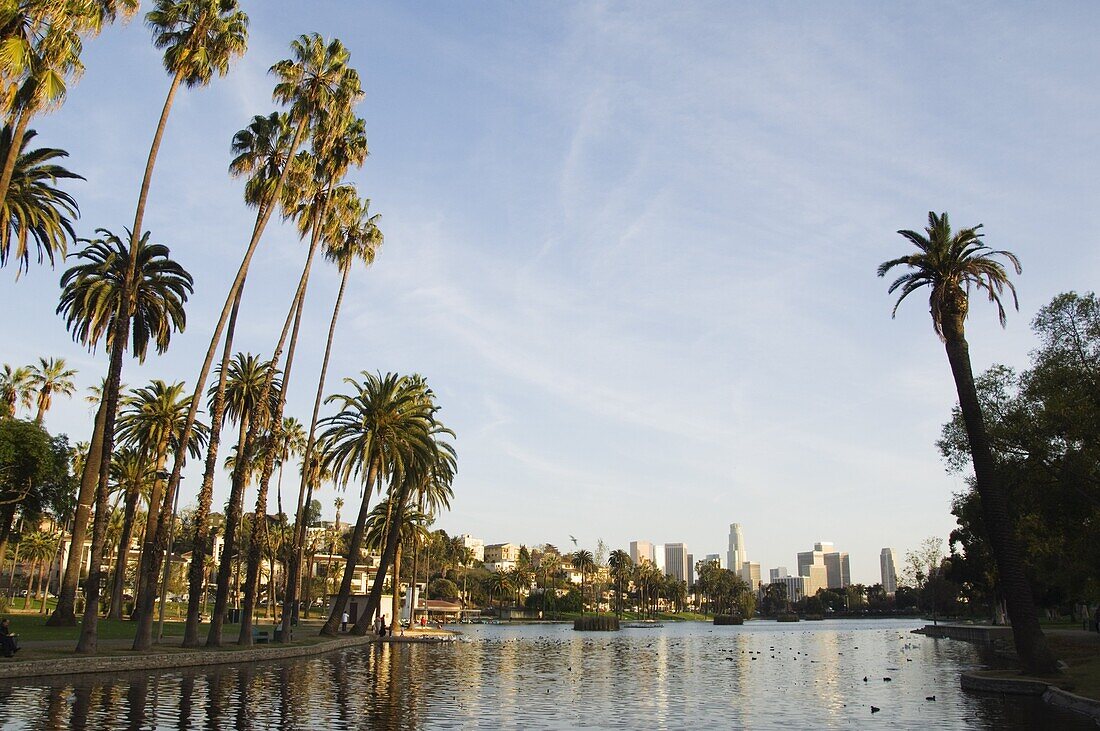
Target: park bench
[[260, 635]]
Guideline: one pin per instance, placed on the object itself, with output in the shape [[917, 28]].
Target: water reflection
[[761, 675]]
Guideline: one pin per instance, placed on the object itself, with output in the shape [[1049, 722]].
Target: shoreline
[[186, 658]]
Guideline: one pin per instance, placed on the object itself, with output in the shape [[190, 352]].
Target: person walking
[[344, 622]]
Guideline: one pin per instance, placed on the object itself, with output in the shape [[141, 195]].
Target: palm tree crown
[[16, 389], [51, 377], [35, 211], [200, 37], [92, 293], [950, 264]]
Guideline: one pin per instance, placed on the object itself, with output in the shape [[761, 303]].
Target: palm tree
[[39, 547], [354, 237], [16, 390], [132, 473], [339, 142], [119, 285], [412, 527], [35, 210], [370, 439], [585, 563], [499, 584], [245, 406], [292, 442], [50, 377], [621, 567], [950, 264], [311, 83], [150, 420]]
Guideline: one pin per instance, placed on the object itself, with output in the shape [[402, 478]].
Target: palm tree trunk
[[147, 178], [395, 603], [197, 573], [276, 421], [88, 642], [1030, 642], [19, 131], [43, 584], [146, 584], [145, 629], [123, 554], [64, 614], [374, 601], [293, 570], [7, 520], [354, 546], [232, 521], [30, 584]]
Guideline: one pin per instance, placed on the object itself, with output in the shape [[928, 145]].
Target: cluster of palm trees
[[127, 292], [33, 387]]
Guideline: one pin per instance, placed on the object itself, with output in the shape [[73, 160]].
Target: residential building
[[642, 551], [838, 570], [888, 571], [736, 554], [501, 556], [474, 544], [676, 561]]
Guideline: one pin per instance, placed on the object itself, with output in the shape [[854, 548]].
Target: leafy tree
[[950, 264], [34, 474]]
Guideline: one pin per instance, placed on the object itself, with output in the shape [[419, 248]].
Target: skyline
[[639, 276]]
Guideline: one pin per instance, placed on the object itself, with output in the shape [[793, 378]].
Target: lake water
[[761, 675]]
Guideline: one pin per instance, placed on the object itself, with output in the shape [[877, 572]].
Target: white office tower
[[641, 551], [888, 570], [838, 570], [736, 555], [676, 561], [750, 574]]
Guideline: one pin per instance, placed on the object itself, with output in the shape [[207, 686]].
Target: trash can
[[234, 616]]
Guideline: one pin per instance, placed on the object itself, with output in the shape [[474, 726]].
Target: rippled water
[[758, 676]]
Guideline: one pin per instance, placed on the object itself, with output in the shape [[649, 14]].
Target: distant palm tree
[[16, 390], [584, 562], [292, 441], [133, 475], [499, 584], [950, 264], [621, 567], [121, 293], [50, 377], [35, 211], [413, 527]]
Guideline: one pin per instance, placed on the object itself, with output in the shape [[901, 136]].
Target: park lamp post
[[167, 563]]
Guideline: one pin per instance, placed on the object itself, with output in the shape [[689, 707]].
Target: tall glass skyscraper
[[888, 570]]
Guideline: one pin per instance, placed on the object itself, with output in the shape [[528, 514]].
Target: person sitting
[[8, 645]]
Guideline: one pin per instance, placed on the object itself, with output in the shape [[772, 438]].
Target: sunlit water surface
[[758, 676]]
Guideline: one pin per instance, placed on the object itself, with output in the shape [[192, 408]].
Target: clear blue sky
[[632, 247]]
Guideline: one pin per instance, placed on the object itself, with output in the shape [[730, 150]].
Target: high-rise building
[[750, 574], [796, 586], [811, 566], [690, 570], [676, 561], [888, 570], [838, 571], [774, 575], [736, 554], [641, 551], [715, 558], [474, 544]]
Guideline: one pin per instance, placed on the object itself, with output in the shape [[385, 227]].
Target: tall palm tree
[[16, 389], [35, 211], [621, 566], [950, 264], [584, 562], [355, 236], [48, 378], [133, 475], [101, 299], [310, 82], [292, 441], [150, 420], [370, 439], [499, 584], [339, 142], [245, 406]]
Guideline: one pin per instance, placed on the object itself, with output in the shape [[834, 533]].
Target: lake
[[761, 675]]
